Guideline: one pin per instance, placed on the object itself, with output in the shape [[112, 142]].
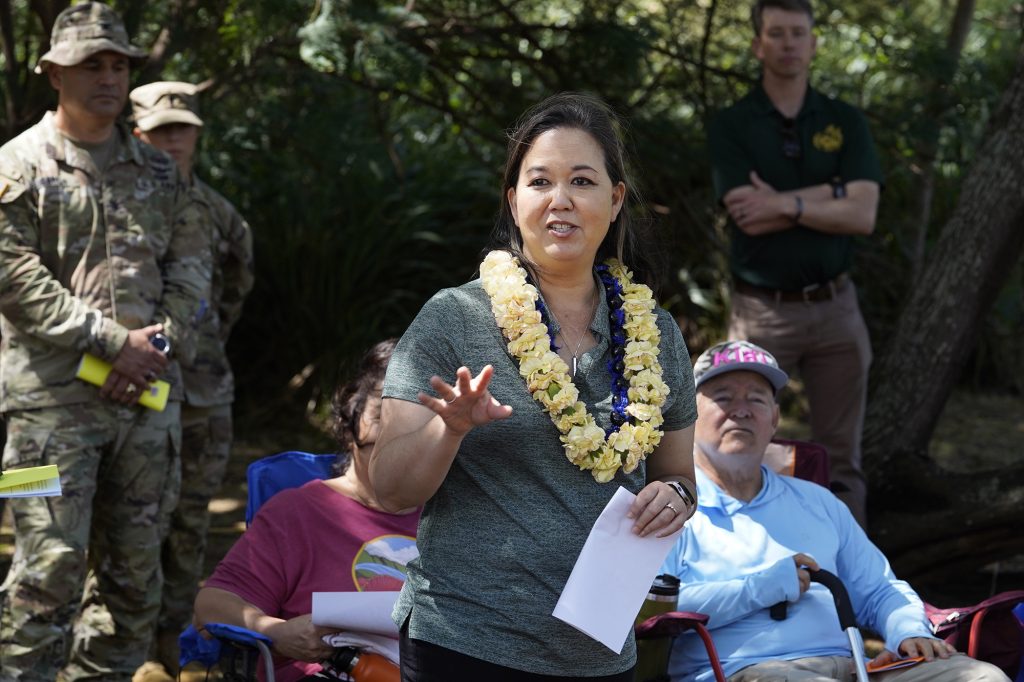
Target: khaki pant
[[205, 447], [957, 668], [825, 343], [83, 592]]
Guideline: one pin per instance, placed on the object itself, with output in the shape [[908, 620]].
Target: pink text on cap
[[740, 355]]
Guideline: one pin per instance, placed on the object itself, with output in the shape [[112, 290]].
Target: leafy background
[[363, 140]]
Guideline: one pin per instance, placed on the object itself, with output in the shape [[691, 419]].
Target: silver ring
[[669, 506], [452, 401], [130, 389]]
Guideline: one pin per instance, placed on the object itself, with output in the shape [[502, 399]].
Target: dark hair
[[349, 401], [591, 115], [757, 11]]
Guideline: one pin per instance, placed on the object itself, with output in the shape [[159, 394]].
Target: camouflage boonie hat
[[164, 102], [83, 30]]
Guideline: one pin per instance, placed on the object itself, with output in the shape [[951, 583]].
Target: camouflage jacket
[[85, 257], [208, 378]]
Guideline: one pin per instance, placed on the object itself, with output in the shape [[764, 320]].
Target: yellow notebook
[[41, 481], [95, 371]]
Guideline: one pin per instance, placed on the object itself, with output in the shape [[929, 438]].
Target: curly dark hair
[[629, 238], [349, 401]]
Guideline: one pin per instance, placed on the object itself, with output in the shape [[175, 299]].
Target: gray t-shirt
[[499, 538]]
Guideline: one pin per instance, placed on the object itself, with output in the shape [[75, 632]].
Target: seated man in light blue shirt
[[756, 532]]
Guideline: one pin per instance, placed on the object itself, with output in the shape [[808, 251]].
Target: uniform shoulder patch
[[10, 188]]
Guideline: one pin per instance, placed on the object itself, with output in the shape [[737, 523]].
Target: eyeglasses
[[791, 147]]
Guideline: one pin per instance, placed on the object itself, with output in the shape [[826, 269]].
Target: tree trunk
[[922, 516], [937, 106]]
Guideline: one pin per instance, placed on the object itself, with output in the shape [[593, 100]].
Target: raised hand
[[467, 403]]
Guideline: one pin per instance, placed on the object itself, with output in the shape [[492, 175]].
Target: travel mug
[[652, 654]]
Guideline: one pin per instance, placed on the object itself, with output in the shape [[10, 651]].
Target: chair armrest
[[670, 624], [195, 647], [238, 634]]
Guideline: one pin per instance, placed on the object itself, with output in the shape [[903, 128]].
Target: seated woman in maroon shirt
[[326, 536]]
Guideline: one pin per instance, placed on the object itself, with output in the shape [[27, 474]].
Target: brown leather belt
[[812, 293]]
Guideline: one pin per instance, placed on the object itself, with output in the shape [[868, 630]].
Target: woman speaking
[[515, 405]]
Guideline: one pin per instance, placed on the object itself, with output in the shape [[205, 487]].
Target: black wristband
[[838, 189], [684, 492]]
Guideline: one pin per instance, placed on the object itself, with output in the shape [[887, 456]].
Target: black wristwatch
[[838, 188], [682, 491]]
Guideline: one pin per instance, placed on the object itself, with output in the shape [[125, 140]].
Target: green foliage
[[354, 231], [363, 140]]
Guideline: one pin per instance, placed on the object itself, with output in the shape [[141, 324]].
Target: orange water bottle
[[368, 667], [363, 666]]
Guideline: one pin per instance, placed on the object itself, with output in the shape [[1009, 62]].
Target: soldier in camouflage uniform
[[167, 116], [100, 249]]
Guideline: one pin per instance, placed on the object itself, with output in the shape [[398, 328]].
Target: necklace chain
[[583, 334]]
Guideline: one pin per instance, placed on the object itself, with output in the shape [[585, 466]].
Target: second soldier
[[166, 116]]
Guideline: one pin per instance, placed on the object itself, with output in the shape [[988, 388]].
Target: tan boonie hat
[[83, 30], [164, 102]]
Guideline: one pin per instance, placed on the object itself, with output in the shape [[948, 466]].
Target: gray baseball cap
[[731, 356], [83, 30], [164, 102]]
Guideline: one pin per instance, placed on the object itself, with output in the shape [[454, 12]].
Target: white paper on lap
[[368, 612], [378, 644]]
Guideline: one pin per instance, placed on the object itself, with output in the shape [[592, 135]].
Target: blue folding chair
[[268, 476], [237, 650]]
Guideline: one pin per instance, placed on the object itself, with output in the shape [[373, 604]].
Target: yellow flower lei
[[513, 302]]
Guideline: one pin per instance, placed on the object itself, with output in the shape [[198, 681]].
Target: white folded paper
[[612, 576], [362, 612]]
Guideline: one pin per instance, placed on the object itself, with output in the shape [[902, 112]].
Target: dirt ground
[[976, 431]]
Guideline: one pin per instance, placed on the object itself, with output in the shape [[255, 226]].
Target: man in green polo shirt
[[798, 174]]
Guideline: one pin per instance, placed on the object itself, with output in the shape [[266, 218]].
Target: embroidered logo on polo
[[379, 565], [828, 140]]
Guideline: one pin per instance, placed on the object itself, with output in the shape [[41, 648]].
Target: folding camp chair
[[237, 651], [268, 476], [991, 630]]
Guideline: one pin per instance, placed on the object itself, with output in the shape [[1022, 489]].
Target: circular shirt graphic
[[379, 565]]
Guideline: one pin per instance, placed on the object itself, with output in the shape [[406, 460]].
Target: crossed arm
[[758, 208]]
